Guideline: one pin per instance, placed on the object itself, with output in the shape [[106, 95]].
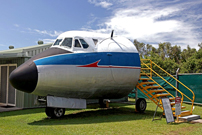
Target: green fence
[[193, 81]]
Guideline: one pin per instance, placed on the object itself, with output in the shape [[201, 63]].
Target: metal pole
[[177, 82]]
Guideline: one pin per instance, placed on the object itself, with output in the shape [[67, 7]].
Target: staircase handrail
[[159, 85], [169, 83], [165, 81]]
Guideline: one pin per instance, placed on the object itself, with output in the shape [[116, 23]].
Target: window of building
[[67, 42], [84, 44]]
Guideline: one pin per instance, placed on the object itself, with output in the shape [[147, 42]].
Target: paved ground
[[196, 121], [6, 109]]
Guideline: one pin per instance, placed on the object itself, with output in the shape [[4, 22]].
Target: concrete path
[[7, 109], [196, 121]]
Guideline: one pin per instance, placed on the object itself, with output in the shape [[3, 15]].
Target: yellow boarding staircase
[[155, 91]]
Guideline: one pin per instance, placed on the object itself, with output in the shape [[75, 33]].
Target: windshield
[[57, 42], [85, 45], [67, 42], [77, 44]]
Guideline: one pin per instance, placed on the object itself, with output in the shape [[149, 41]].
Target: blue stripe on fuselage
[[106, 58]]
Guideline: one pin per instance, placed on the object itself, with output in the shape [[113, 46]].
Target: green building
[[9, 60]]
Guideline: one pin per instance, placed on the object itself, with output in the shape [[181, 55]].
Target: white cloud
[[155, 23], [47, 40], [16, 25], [135, 23], [49, 33], [2, 45], [104, 4], [141, 24], [101, 3], [29, 29], [52, 33], [92, 20]]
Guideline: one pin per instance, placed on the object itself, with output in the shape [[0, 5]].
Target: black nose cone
[[25, 77]]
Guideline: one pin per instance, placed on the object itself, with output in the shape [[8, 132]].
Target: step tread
[[148, 83], [152, 87], [171, 98], [182, 107], [193, 115], [162, 95], [172, 103], [144, 79], [144, 74], [184, 112], [156, 91], [190, 117]]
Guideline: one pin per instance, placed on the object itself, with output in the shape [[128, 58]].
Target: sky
[[25, 22]]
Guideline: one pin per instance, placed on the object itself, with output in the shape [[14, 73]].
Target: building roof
[[24, 51]]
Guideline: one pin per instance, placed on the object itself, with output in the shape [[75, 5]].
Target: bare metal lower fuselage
[[78, 82]]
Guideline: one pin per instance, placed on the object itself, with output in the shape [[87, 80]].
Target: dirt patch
[[181, 130]]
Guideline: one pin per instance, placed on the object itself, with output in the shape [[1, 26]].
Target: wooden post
[[107, 104]]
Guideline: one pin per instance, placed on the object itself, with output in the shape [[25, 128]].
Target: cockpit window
[[84, 44], [67, 42], [77, 44], [95, 41], [57, 42]]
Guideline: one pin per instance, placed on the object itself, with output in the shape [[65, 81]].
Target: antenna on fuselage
[[112, 34]]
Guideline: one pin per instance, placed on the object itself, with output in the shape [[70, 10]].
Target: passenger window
[[84, 44], [57, 42], [67, 42], [77, 44]]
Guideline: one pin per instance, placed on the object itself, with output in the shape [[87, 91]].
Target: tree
[[200, 45], [140, 47], [164, 49], [193, 64], [175, 53], [171, 57], [148, 49], [143, 49], [186, 53]]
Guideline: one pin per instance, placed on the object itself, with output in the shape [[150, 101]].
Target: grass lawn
[[120, 119]]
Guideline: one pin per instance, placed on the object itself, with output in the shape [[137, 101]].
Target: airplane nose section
[[25, 77]]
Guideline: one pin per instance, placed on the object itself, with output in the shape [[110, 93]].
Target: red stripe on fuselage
[[95, 65]]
